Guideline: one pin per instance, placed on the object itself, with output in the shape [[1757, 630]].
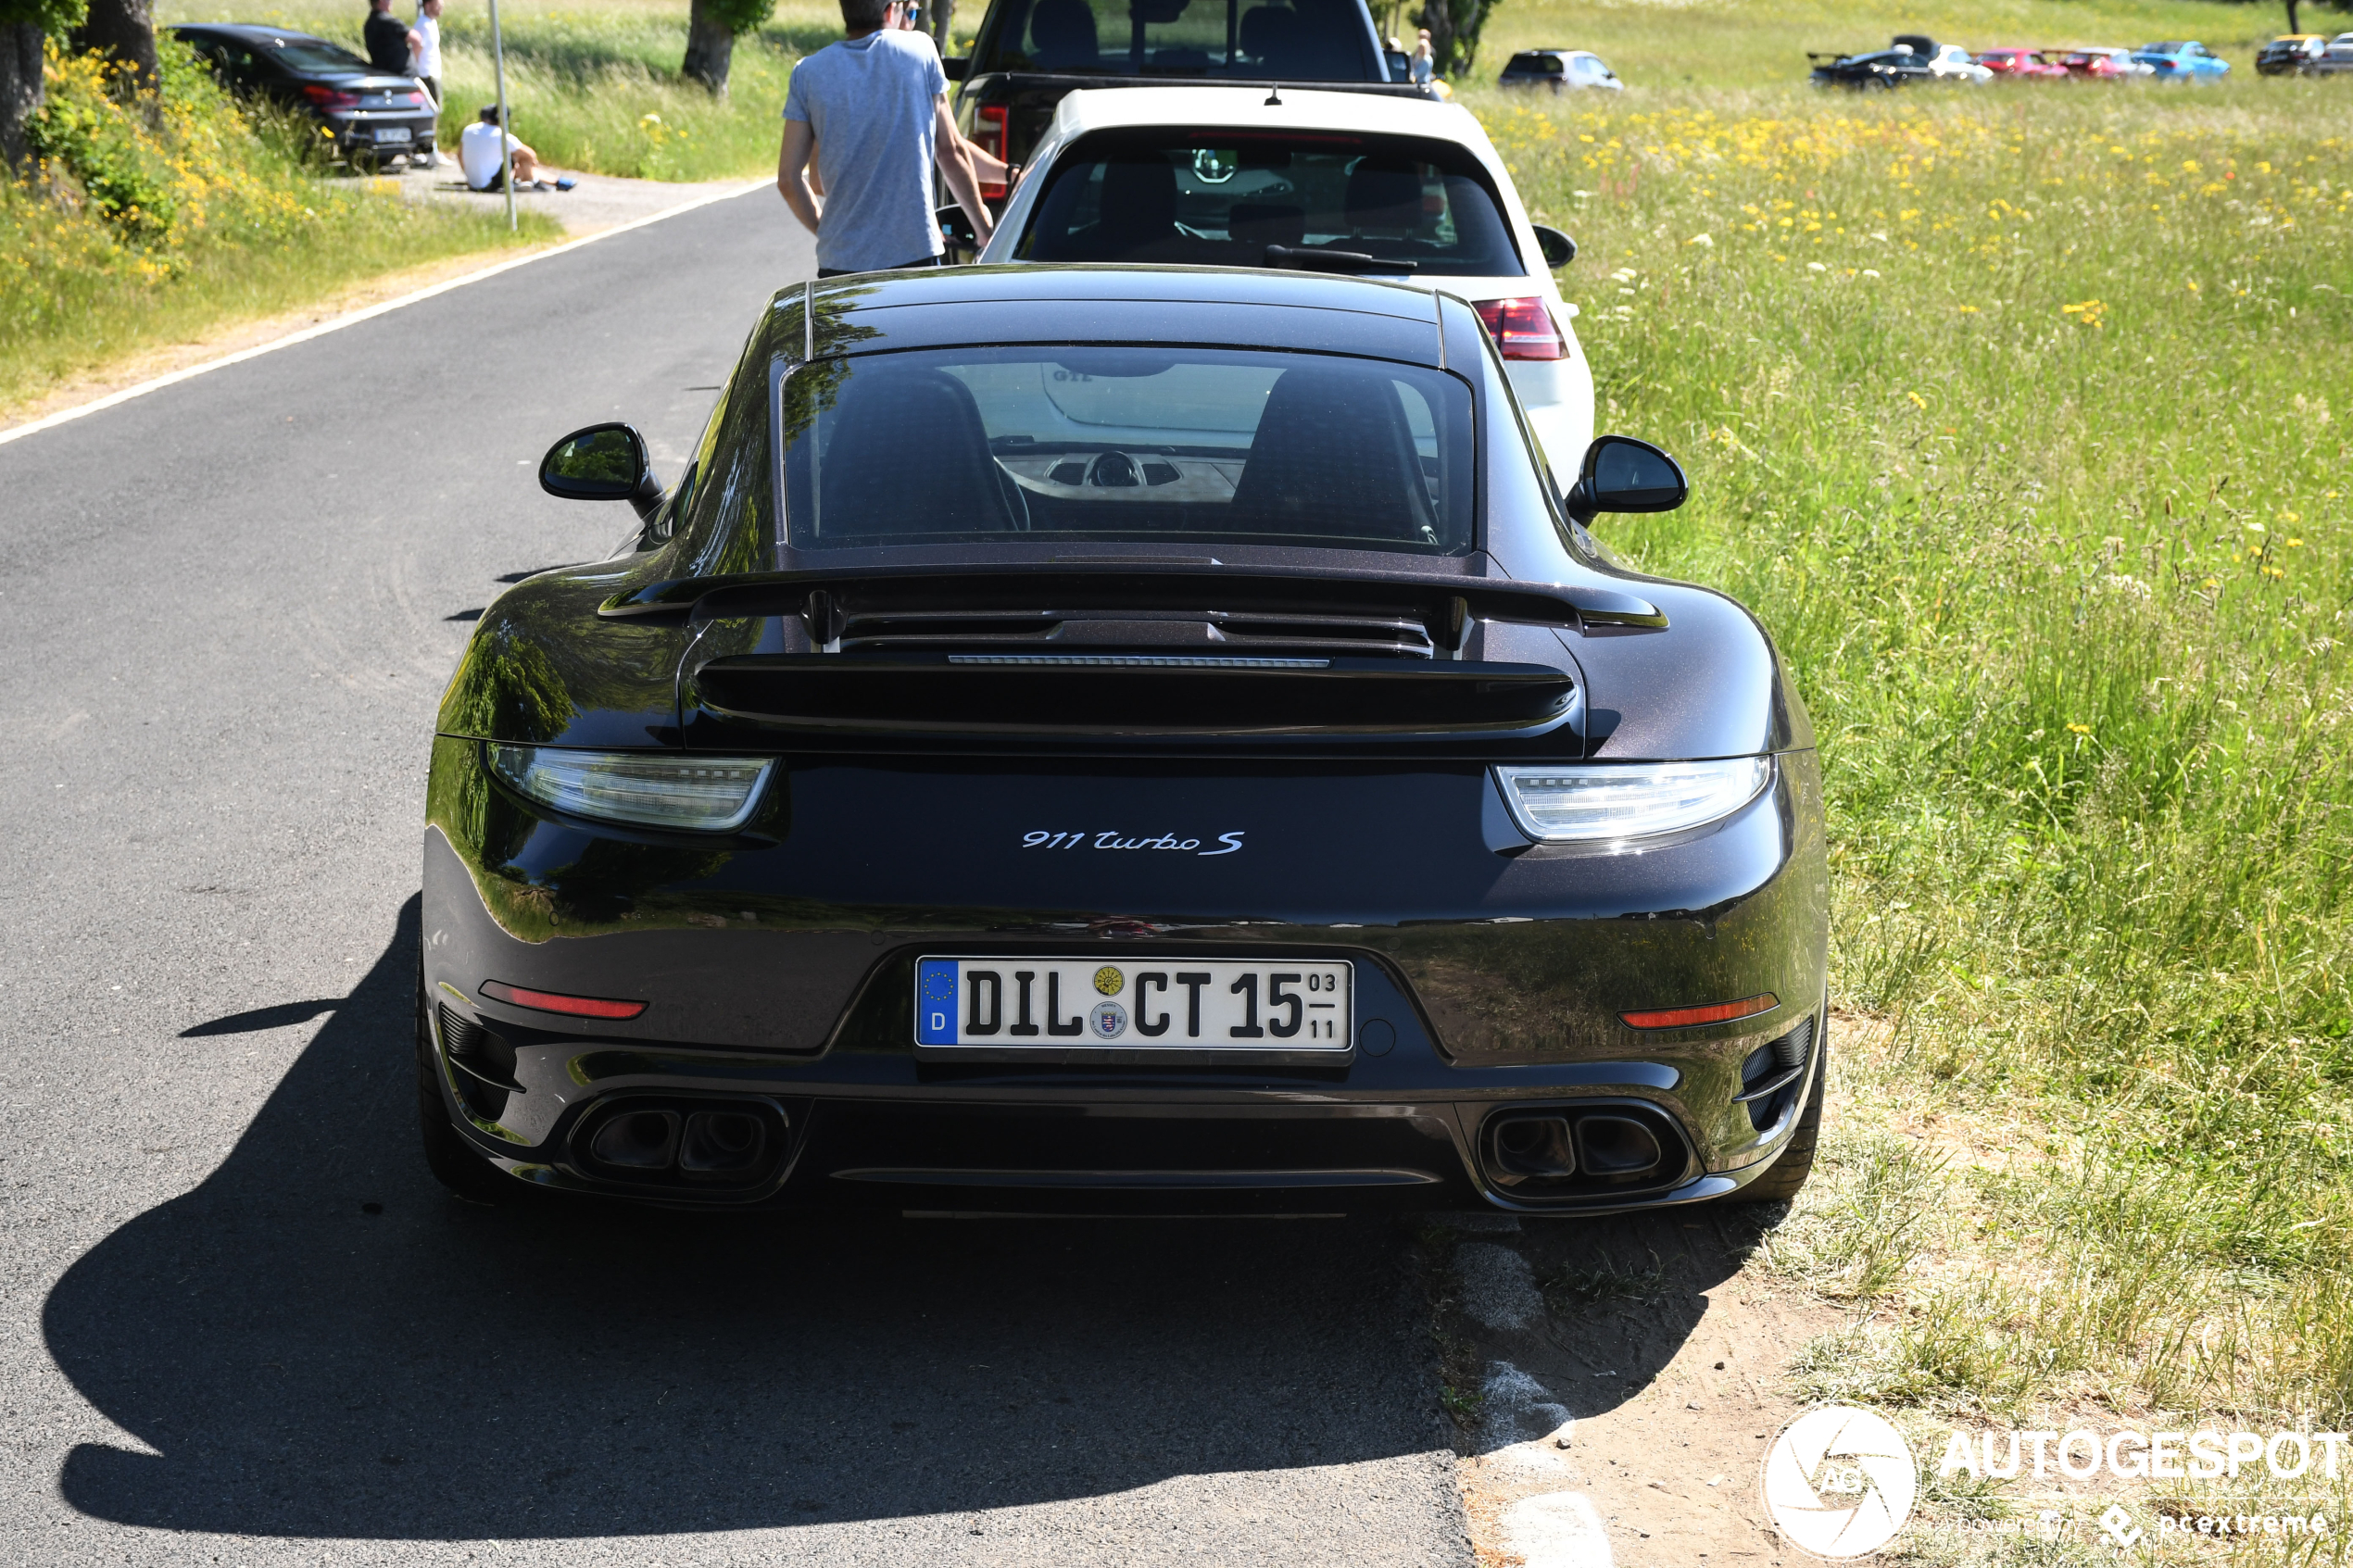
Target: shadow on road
[[302, 1366]]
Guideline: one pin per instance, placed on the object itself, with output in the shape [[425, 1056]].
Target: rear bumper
[[380, 129], [779, 971], [1068, 1143]]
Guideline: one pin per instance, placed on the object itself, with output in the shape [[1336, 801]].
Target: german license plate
[[1168, 1004], [396, 133]]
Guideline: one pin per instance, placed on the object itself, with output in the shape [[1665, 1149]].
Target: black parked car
[[369, 114], [1879, 70], [1029, 53], [851, 840]]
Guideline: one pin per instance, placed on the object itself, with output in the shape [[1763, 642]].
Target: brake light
[[330, 97], [989, 135], [1719, 1012], [413, 98], [552, 1001], [1523, 329]]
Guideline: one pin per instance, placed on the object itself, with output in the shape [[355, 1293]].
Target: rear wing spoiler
[[824, 595]]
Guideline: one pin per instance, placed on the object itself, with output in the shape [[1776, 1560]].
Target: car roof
[[1028, 303], [1247, 108], [252, 33]]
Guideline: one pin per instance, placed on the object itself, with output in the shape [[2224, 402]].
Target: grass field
[[595, 83], [2020, 418], [595, 86], [1658, 44], [144, 233]]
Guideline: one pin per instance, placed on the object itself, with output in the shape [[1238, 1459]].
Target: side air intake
[[1774, 1075]]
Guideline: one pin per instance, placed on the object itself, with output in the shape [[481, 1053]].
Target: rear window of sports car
[[307, 56], [1207, 446], [1219, 198]]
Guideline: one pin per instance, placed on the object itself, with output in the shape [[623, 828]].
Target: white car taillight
[[1586, 803], [647, 789], [1523, 329]]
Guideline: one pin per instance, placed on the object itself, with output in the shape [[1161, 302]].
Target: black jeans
[[823, 273]]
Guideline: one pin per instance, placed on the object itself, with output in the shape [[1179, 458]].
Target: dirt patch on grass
[[1637, 1402]]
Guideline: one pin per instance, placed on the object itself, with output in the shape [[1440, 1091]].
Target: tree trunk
[[710, 46], [943, 13], [126, 30], [19, 90]]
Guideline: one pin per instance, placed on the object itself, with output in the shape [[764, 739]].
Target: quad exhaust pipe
[[1561, 1151], [688, 1143]]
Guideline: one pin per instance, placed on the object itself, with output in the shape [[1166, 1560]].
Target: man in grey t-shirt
[[875, 108]]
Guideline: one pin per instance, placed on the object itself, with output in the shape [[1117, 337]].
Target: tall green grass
[[143, 229], [2019, 420], [596, 86]]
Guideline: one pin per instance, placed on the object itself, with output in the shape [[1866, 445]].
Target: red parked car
[[2089, 65], [2021, 63]]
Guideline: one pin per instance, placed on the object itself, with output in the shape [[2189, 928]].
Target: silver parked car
[[1560, 70]]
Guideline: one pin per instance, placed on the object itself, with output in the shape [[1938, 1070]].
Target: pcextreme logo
[[1839, 1482]]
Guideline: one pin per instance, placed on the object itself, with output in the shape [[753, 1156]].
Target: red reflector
[[1718, 1012], [549, 1001], [328, 98], [1522, 328]]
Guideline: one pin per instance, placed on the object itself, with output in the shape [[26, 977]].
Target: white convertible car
[[1408, 191]]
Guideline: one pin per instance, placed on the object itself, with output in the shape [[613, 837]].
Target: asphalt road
[[239, 1323]]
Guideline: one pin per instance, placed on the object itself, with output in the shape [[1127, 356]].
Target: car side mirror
[[955, 66], [602, 463], [1400, 64], [1559, 250], [1622, 474]]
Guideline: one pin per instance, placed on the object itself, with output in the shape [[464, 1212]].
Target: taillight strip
[[553, 1001], [1714, 1013]]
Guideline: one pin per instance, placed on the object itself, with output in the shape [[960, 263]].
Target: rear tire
[[451, 1159], [1787, 1178]]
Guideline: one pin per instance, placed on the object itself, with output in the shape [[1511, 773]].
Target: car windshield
[[1195, 445], [2160, 48], [1219, 198], [308, 55], [1301, 40]]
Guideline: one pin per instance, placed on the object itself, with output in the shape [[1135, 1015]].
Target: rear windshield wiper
[[1319, 258]]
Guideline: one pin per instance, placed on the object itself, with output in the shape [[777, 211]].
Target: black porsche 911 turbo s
[[1121, 737]]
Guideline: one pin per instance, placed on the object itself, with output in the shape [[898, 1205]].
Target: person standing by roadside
[[989, 169], [424, 62], [874, 107], [1425, 63], [389, 44]]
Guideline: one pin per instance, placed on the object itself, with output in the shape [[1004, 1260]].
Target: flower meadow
[[2019, 420]]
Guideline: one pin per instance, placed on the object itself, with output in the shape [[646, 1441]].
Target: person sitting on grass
[[481, 156]]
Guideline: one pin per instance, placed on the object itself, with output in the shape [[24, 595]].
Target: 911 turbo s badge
[[1114, 838]]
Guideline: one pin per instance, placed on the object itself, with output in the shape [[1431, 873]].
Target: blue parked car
[[2183, 62]]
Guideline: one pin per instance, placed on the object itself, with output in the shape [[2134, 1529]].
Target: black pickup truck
[[1029, 53]]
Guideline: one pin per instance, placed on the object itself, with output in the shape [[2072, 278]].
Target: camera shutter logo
[[1840, 1481]]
